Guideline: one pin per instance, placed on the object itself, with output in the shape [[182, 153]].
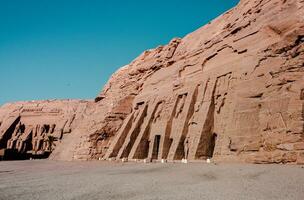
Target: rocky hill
[[34, 129], [233, 90]]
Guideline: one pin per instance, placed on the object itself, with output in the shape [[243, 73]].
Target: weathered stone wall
[[233, 90], [34, 129]]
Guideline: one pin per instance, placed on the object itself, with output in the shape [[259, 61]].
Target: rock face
[[233, 90], [34, 129]]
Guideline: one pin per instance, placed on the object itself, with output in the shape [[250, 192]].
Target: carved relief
[[182, 110], [201, 123], [31, 135], [223, 84], [235, 86], [125, 139], [143, 142], [134, 131]]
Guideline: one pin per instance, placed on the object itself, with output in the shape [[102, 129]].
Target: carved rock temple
[[232, 91], [34, 129]]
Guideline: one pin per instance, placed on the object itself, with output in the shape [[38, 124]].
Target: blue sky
[[69, 48]]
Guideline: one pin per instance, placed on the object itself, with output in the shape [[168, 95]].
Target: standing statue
[[186, 147]]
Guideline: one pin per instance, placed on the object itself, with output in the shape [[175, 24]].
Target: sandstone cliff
[[233, 90], [34, 129]]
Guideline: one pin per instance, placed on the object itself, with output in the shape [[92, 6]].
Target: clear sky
[[69, 48]]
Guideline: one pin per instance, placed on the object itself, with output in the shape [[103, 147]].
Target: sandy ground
[[46, 180]]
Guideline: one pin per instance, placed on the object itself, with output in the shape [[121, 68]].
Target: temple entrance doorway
[[156, 147]]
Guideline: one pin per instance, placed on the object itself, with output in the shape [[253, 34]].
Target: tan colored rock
[[34, 129], [232, 90], [300, 159], [299, 146]]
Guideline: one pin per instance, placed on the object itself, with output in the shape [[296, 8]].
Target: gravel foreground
[[44, 179]]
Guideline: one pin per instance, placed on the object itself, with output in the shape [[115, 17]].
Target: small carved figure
[[53, 126], [186, 147], [42, 130], [158, 112], [17, 129]]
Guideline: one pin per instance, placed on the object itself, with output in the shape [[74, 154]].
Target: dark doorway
[[156, 147], [212, 144]]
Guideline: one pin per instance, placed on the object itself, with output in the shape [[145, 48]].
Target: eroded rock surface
[[232, 90], [34, 129]]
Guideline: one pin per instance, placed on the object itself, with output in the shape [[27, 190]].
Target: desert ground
[[44, 179]]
